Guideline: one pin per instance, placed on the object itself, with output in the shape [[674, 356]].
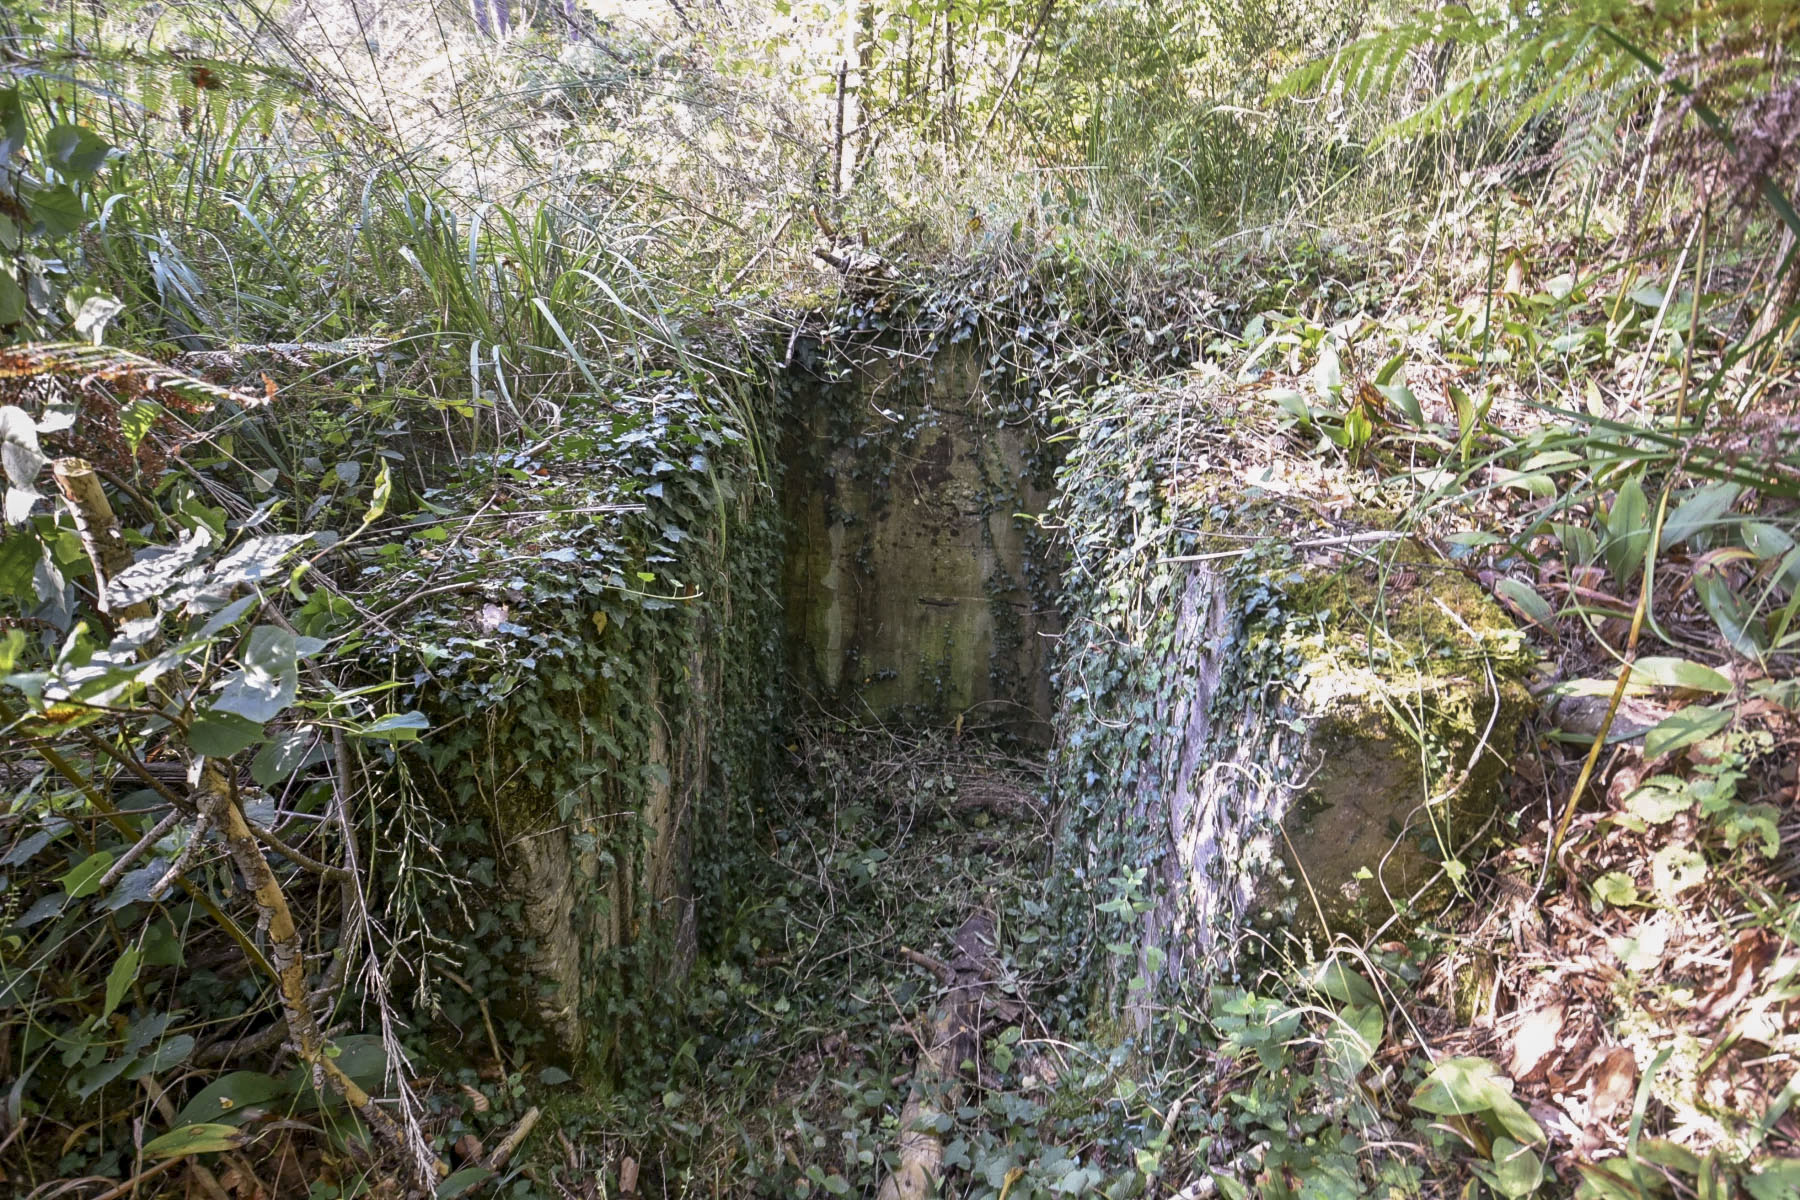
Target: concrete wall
[[914, 586]]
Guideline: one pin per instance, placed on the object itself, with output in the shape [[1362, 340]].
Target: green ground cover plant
[[392, 397]]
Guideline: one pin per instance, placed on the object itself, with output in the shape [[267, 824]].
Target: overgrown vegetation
[[402, 793]]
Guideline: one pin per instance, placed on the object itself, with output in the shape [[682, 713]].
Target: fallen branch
[[216, 803], [937, 1080]]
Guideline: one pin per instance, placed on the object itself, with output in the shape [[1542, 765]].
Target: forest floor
[[818, 999]]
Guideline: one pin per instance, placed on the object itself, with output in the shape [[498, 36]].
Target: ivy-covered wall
[[1259, 733], [918, 581], [601, 695]]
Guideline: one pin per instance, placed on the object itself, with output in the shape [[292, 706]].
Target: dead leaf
[[1751, 955], [628, 1172], [1612, 1083], [477, 1101], [1534, 1039], [468, 1147]]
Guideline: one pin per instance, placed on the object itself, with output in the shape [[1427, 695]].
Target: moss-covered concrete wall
[[1264, 729], [602, 696], [917, 581]]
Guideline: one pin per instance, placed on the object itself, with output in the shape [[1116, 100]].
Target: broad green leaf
[[194, 1139], [85, 1082], [1616, 888], [397, 727], [12, 300], [1517, 1169], [75, 151], [84, 879], [158, 569], [463, 1181], [137, 419], [1511, 1116], [1340, 983], [1658, 804], [1404, 402], [57, 209], [230, 1099], [1761, 822], [266, 682], [1703, 511], [380, 495], [1526, 597], [1328, 375], [1731, 614], [220, 734], [1627, 531], [1616, 1179], [1694, 723], [286, 754], [1678, 673], [123, 974], [1353, 1040], [145, 1030], [1773, 1179], [1292, 403], [1230, 1188], [12, 124], [1673, 1155], [19, 555], [1459, 1087], [170, 1052]]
